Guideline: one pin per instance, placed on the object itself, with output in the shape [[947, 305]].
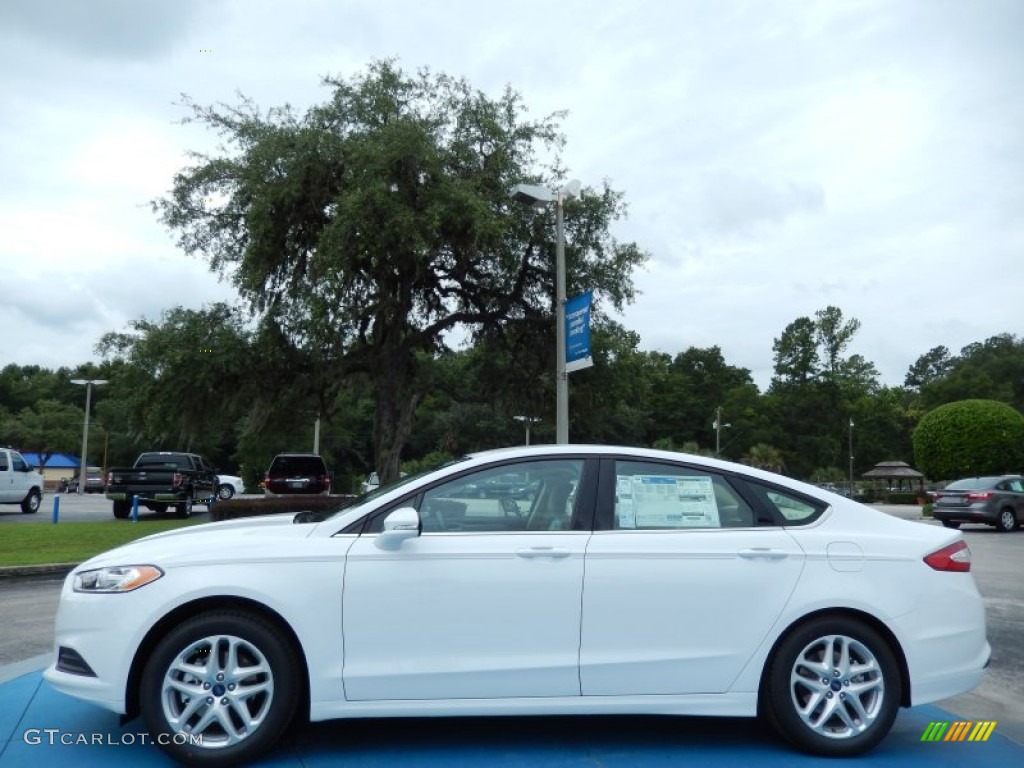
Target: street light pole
[[851, 457], [539, 196], [562, 378], [85, 428], [719, 426], [527, 421]]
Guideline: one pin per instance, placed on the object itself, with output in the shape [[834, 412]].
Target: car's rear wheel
[[184, 509], [1007, 520], [225, 492], [122, 509], [160, 509], [30, 504], [951, 524], [220, 689], [833, 687]]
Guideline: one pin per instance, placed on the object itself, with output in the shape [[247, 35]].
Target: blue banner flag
[[577, 332]]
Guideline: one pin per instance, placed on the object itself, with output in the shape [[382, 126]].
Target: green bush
[[901, 497], [969, 437], [272, 505], [926, 510]]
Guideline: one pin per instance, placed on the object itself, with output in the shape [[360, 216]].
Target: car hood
[[227, 541]]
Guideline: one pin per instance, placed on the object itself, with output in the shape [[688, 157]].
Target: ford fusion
[[605, 581]]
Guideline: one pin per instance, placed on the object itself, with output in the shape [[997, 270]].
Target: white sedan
[[228, 486], [625, 581]]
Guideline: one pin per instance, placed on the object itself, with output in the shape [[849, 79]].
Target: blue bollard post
[[56, 507], [135, 509]]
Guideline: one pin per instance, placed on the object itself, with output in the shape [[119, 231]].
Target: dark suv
[[997, 501], [297, 473]]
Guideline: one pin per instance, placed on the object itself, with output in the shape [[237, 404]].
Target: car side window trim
[[605, 502], [583, 518]]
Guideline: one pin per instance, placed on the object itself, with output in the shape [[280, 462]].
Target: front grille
[[70, 661]]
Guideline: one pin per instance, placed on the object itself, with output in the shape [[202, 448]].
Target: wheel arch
[[842, 613], [194, 608]]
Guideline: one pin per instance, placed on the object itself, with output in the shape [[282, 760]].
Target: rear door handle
[[542, 552], [763, 553]]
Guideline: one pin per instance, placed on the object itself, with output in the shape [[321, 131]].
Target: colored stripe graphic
[[934, 731], [960, 730]]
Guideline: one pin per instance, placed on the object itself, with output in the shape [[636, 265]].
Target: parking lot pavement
[[40, 726]]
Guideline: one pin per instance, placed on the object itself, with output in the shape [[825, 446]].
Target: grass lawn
[[39, 543]]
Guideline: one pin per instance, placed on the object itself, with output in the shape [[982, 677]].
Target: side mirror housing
[[400, 525]]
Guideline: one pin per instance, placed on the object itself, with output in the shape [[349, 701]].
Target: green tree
[[48, 427], [367, 231], [969, 437]]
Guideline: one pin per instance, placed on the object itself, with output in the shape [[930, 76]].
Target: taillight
[[327, 481], [935, 495], [110, 478], [178, 479], [979, 496], [956, 557]]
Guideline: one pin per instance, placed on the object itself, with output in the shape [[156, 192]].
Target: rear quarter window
[[787, 507]]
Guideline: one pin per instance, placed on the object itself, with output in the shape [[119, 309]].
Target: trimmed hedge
[[969, 437], [899, 497], [272, 505]]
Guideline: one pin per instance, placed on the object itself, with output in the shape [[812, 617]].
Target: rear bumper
[[966, 515]]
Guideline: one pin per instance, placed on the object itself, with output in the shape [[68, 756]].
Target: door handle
[[530, 552], [763, 553]]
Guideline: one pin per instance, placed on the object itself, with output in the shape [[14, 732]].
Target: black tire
[[122, 509], [184, 509], [951, 524], [160, 509], [1007, 521], [844, 721], [30, 504], [225, 492], [268, 661]]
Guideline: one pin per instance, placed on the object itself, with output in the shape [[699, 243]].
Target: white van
[[19, 483]]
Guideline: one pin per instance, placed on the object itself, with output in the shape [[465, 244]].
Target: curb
[[33, 571]]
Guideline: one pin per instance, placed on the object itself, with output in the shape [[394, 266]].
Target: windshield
[[377, 492]]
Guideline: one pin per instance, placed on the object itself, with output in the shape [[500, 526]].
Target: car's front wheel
[[225, 492], [833, 687], [951, 524], [1007, 520], [30, 504], [220, 689]]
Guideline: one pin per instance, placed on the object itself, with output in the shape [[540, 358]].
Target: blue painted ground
[[28, 706]]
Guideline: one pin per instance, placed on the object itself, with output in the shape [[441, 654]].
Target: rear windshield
[[971, 484], [298, 465], [155, 459]]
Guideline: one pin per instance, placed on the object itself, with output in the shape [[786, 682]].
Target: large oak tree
[[367, 233]]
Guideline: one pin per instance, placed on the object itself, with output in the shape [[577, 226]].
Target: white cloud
[[776, 157]]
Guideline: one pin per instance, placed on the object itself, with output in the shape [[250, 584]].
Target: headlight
[[122, 578]]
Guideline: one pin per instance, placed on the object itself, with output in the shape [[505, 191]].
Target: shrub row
[[272, 505]]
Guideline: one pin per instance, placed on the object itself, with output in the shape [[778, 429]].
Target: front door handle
[[763, 553], [542, 552]]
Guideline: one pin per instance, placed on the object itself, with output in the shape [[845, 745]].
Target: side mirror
[[400, 525]]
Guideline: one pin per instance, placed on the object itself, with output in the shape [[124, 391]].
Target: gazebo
[[898, 471]]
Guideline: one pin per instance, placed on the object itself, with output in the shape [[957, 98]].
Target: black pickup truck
[[161, 479]]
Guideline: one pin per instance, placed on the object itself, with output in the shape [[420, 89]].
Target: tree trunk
[[396, 401]]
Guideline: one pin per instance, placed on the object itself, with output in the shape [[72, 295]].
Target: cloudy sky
[[777, 157]]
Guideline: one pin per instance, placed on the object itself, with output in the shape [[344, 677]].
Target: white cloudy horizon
[[777, 157]]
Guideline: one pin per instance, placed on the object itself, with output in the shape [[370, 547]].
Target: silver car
[[997, 501]]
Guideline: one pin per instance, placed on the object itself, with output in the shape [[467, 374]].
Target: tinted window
[[155, 459], [298, 465], [650, 495], [791, 507], [18, 463], [971, 484], [529, 496], [3, 462]]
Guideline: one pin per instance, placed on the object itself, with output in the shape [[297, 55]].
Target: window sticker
[[624, 517], [670, 501]]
